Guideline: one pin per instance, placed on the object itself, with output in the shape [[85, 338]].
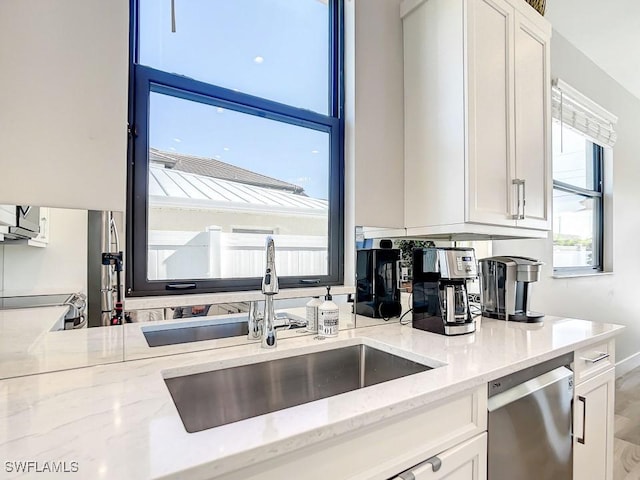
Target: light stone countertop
[[31, 342], [119, 421]]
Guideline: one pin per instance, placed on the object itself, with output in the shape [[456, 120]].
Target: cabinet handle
[[524, 198], [519, 183], [584, 419], [435, 462], [601, 356]]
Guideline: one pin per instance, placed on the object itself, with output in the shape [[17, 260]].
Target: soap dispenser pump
[[328, 316]]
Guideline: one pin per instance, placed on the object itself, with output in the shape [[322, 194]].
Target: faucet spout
[[269, 338], [269, 288]]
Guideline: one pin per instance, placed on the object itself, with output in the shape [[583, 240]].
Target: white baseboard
[[627, 364]]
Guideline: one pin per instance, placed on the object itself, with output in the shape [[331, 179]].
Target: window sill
[[578, 275]]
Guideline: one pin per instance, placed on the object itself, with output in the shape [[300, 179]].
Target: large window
[[582, 129], [237, 133], [577, 202]]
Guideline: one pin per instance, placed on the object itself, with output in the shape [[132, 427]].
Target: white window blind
[[579, 112]]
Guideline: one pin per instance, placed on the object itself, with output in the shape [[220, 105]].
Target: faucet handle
[[254, 311], [254, 323]]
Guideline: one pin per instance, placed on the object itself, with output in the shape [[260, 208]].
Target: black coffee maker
[[440, 299], [377, 292]]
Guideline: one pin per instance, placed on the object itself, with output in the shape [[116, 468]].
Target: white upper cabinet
[[533, 120], [477, 118], [63, 103], [374, 111], [491, 159]]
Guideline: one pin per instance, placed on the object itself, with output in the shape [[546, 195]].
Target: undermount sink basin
[[198, 331], [214, 398]]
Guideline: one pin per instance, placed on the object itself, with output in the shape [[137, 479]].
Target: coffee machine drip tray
[[529, 317], [434, 324]]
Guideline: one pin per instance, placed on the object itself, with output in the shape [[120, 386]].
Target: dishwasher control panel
[[509, 381]]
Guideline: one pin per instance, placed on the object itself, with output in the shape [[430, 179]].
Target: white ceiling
[[607, 31]]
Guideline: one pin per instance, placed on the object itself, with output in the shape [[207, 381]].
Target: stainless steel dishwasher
[[530, 423]]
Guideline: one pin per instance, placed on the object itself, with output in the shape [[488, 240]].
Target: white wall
[[61, 267], [607, 298]]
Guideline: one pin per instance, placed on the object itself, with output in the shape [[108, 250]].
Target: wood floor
[[626, 443]]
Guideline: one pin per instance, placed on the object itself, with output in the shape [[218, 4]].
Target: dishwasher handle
[[530, 386]]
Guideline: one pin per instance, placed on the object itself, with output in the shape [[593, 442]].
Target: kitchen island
[[119, 420]]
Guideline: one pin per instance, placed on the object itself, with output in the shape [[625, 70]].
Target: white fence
[[175, 255]]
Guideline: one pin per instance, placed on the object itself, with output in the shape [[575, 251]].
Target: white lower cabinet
[[452, 430], [593, 423], [467, 461]]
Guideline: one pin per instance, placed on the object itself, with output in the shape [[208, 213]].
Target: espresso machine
[[440, 299], [377, 279], [505, 288]]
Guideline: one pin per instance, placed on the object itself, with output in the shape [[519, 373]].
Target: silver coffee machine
[[439, 295], [505, 287]]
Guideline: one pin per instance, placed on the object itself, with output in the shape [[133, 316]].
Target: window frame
[[144, 80], [597, 194]]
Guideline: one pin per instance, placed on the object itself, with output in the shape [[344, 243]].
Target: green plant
[[407, 246]]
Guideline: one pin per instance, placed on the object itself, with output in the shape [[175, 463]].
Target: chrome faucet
[[263, 326], [269, 289]]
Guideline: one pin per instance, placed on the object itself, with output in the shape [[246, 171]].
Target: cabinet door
[[533, 120], [490, 156], [63, 91], [467, 461], [593, 428]]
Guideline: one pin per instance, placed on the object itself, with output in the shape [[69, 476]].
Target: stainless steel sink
[[214, 398], [158, 336], [199, 333]]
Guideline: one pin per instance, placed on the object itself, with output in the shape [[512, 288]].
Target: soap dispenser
[[312, 314], [328, 315]]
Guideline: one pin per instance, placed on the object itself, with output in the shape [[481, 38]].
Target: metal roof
[[210, 167], [171, 187]]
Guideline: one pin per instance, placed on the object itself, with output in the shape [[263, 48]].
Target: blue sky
[[279, 52]]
